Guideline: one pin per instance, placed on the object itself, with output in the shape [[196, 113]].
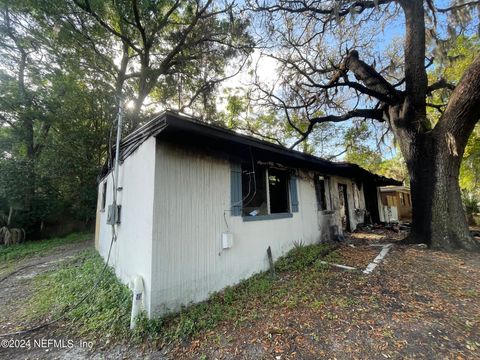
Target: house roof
[[173, 127]]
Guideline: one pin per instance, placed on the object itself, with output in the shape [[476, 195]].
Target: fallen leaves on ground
[[416, 304], [358, 256]]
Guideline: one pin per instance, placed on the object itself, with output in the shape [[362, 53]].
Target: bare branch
[[440, 84], [209, 84], [248, 128], [371, 78], [438, 107], [458, 6], [376, 114], [303, 7]]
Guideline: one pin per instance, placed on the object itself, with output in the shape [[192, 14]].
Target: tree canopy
[[337, 66], [353, 76], [65, 67]]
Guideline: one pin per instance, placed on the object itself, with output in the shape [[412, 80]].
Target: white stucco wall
[[131, 253], [192, 210]]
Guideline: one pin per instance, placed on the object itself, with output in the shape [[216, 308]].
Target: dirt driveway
[[16, 287]]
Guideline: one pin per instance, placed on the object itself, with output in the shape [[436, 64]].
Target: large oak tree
[[395, 91], [65, 64]]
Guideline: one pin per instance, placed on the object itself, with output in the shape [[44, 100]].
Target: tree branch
[[376, 114], [210, 83], [463, 109], [302, 6], [371, 78], [438, 107], [440, 84], [138, 23], [88, 9], [5, 120], [165, 18], [251, 130], [181, 42], [416, 81], [457, 6]]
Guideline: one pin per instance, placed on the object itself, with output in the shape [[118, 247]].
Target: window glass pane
[[254, 191], [278, 190]]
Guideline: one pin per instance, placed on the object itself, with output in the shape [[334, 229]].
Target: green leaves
[[64, 66], [459, 58]]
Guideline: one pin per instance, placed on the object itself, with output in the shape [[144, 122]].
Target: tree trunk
[[438, 217]]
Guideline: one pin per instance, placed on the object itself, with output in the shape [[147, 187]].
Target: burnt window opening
[[262, 195], [104, 195], [278, 191], [320, 186], [254, 191]]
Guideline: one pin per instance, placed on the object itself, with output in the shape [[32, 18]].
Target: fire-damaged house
[[199, 205]]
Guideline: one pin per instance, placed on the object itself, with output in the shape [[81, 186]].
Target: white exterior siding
[[191, 195], [192, 210], [176, 205], [131, 253]]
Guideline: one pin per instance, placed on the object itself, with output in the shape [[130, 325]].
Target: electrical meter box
[[227, 240]]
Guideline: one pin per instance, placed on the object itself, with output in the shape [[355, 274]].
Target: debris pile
[[378, 233]]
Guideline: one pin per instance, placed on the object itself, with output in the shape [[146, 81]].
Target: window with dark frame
[[262, 196], [104, 195], [320, 191]]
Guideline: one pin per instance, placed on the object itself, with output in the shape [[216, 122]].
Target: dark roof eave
[[169, 122], [309, 161]]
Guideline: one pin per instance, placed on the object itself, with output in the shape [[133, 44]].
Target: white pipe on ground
[[344, 267], [386, 248]]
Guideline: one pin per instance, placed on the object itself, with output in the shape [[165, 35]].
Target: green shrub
[[105, 313], [302, 256]]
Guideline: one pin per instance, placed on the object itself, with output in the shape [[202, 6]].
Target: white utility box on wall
[[227, 240]]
